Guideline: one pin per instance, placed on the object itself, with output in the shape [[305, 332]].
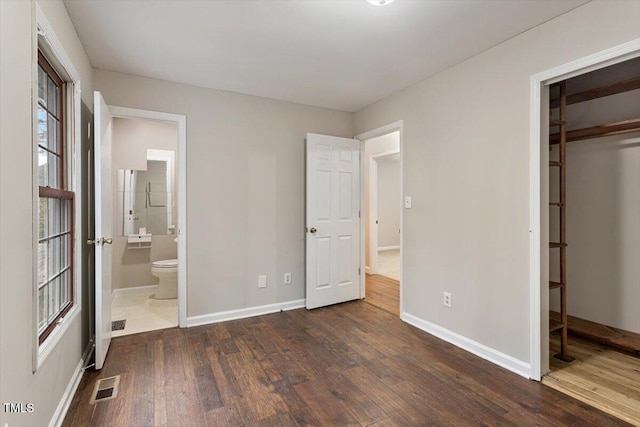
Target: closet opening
[[594, 238]]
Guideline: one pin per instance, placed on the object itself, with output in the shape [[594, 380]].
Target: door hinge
[[359, 271], [358, 214]]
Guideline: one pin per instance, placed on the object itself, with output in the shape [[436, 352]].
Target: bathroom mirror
[[146, 198]]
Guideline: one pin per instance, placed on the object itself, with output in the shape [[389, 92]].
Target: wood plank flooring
[[613, 337], [349, 364], [600, 376], [383, 292]]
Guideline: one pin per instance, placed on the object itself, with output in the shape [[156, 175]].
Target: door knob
[[313, 230], [91, 242], [106, 241]]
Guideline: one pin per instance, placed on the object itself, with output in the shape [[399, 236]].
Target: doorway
[[382, 228], [145, 252], [162, 204]]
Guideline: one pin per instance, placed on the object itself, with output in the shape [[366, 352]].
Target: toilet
[[167, 271]]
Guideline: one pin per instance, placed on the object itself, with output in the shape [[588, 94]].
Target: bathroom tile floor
[[143, 313]]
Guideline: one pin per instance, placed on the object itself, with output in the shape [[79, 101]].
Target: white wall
[[603, 231], [388, 201], [245, 186], [18, 384], [131, 140], [466, 165]]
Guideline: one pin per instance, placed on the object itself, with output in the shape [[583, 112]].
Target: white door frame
[[181, 122], [539, 189], [372, 209], [383, 130]]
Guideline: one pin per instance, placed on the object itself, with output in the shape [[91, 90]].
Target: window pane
[[64, 289], [50, 266], [56, 246], [43, 270], [67, 250], [52, 128], [54, 216], [64, 257], [52, 96], [54, 171], [43, 211], [42, 307], [52, 290], [56, 295], [42, 84], [43, 168], [66, 221], [42, 127]]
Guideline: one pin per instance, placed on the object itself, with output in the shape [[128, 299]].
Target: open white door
[[104, 225], [333, 220]]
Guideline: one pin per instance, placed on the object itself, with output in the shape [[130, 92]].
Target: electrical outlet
[[447, 299], [262, 281], [287, 278]]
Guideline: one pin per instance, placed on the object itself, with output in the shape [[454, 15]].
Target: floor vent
[[105, 389], [118, 325]]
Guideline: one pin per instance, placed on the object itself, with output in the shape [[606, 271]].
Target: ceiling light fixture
[[380, 2]]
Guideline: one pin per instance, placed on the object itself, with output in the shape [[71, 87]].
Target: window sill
[[56, 335]]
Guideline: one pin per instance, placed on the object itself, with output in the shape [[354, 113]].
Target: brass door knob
[[106, 241], [91, 242]]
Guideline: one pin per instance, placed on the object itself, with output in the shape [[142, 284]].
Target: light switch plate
[[262, 281], [407, 202]]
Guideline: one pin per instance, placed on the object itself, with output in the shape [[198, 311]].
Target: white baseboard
[[388, 248], [494, 356], [70, 391], [135, 290], [242, 313]]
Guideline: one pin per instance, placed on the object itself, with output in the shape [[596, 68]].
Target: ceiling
[[341, 54]]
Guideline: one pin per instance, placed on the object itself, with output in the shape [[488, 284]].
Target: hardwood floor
[[600, 376], [348, 364], [383, 292], [613, 337]]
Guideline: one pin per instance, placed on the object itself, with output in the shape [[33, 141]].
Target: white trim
[[388, 248], [224, 316], [134, 290], [181, 121], [55, 45], [383, 130], [537, 318], [494, 356]]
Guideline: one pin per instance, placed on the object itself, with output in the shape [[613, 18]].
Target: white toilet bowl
[[167, 271]]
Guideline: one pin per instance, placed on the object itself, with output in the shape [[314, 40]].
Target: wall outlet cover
[[287, 278], [447, 299]]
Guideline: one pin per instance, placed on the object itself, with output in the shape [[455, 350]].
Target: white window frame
[[46, 40]]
